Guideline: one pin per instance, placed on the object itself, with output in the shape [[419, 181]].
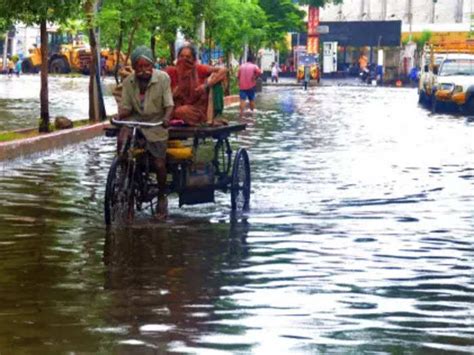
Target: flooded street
[[359, 240], [20, 99]]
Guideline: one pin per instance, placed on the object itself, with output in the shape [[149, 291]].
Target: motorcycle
[[369, 74]]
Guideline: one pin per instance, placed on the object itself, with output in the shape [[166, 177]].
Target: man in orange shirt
[[363, 62]]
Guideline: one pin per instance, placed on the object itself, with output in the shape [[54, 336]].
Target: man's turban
[[142, 52]]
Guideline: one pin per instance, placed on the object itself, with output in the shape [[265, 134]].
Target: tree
[[40, 12], [283, 16], [235, 23], [96, 100]]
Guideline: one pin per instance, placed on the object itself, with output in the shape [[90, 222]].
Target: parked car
[[454, 84]]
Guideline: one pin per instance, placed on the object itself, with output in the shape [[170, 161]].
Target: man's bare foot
[[162, 209]]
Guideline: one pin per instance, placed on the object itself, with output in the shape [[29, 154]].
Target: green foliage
[[34, 11], [283, 16], [5, 24], [425, 37], [236, 23]]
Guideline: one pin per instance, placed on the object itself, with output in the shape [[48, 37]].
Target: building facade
[[408, 11]]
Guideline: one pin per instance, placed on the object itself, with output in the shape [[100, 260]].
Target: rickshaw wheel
[[119, 194], [222, 158], [240, 184]]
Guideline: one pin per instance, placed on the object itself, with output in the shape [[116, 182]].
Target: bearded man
[[147, 97], [190, 83]]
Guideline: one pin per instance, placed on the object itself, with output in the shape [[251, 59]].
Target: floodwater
[[68, 96], [359, 240]]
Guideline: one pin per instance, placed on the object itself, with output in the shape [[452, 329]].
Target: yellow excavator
[[65, 56]]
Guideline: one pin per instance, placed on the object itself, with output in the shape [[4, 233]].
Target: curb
[[28, 146]]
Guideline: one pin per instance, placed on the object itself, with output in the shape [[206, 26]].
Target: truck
[[431, 59], [440, 85], [66, 55], [266, 57], [454, 84]]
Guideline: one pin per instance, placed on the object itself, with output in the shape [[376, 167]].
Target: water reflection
[[20, 106], [359, 240], [166, 282]]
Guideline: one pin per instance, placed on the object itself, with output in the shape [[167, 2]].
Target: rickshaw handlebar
[[136, 123]]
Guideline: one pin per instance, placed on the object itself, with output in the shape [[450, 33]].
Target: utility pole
[[459, 11], [433, 11], [410, 15], [5, 49], [362, 10], [384, 10]]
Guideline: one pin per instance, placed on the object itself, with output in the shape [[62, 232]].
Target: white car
[[454, 84]]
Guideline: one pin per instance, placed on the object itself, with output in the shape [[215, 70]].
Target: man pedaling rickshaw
[[147, 97], [182, 93]]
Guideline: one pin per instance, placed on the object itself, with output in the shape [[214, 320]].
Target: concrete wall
[[445, 11]]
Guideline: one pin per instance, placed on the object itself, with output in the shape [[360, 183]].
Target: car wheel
[[434, 105], [421, 98], [469, 107]]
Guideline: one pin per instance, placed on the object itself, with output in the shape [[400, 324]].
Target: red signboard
[[313, 36], [313, 45], [313, 20]]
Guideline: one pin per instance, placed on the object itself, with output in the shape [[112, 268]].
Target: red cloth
[[189, 105]]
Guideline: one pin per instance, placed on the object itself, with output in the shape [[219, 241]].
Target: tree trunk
[[118, 54], [96, 100], [230, 72], [44, 100], [172, 50], [153, 43], [130, 41]]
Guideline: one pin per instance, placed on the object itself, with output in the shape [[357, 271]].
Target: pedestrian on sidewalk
[[275, 70], [11, 67], [306, 76], [247, 75], [18, 68]]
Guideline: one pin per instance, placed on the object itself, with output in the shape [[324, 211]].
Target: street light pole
[[362, 9], [5, 49], [433, 11], [410, 15]]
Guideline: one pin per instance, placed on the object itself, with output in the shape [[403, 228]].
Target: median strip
[[27, 146]]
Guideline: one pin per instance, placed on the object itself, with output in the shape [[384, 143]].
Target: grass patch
[[15, 135], [11, 136]]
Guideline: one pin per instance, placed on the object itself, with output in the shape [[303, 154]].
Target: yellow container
[[175, 143], [180, 153]]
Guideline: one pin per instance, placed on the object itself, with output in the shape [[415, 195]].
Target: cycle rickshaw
[[132, 186]]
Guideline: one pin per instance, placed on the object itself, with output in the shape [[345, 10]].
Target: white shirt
[[275, 70]]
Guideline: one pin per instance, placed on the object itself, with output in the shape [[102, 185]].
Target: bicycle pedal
[[151, 194]]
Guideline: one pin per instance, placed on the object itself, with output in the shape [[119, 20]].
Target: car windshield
[[457, 67]]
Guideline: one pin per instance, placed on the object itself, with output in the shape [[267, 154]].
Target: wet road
[[360, 240], [20, 103]]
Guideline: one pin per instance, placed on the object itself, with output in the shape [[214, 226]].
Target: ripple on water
[[359, 240]]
